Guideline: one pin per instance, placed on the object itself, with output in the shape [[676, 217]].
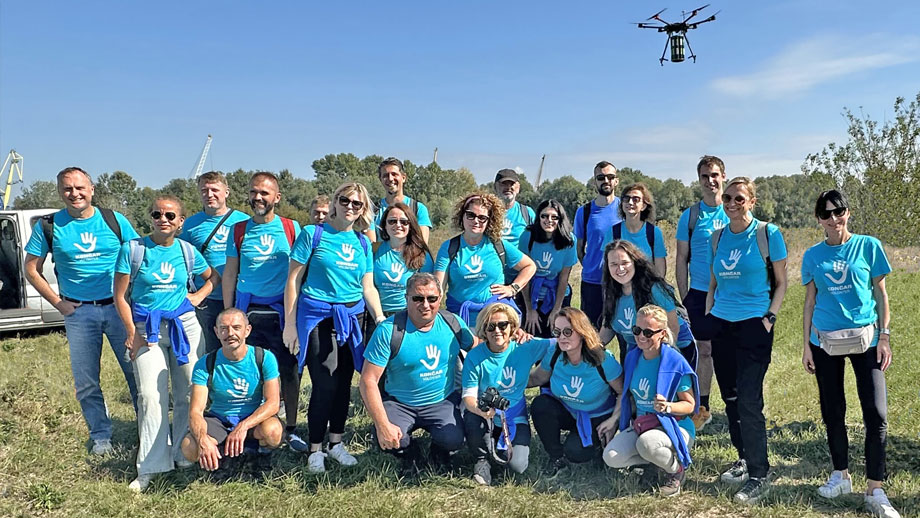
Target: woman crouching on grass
[[660, 396]]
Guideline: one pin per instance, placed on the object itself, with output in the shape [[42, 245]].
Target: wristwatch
[[515, 287], [884, 331], [771, 317], [667, 408]]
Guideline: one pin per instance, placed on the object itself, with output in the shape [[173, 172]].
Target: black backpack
[[649, 235], [453, 248], [763, 244], [211, 360], [108, 215], [555, 358]]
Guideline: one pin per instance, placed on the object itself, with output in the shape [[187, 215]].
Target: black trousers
[[266, 333], [477, 433], [207, 316], [550, 418], [331, 393], [546, 327], [873, 398], [592, 302], [741, 355]]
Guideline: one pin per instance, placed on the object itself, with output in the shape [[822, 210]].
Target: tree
[[39, 195], [568, 191], [334, 170], [439, 189]]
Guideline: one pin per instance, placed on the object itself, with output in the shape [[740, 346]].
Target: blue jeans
[[85, 327]]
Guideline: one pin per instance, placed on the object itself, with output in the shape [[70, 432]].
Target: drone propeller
[[655, 16], [711, 18], [695, 12]]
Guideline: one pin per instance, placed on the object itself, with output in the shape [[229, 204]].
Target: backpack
[[136, 256], [585, 214], [453, 248], [204, 246], [691, 224], [525, 214], [763, 244], [555, 358], [317, 237], [239, 231], [400, 320], [211, 360], [649, 235], [108, 215]]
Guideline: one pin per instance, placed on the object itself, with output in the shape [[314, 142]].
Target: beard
[[605, 189], [263, 209]]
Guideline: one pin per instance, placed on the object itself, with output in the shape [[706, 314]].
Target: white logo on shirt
[[509, 373], [842, 268], [221, 235], [347, 253], [398, 270], [644, 386], [476, 261], [434, 354], [268, 242], [89, 240], [577, 385], [547, 261], [168, 273], [242, 388], [506, 227], [718, 224], [628, 314], [734, 257]]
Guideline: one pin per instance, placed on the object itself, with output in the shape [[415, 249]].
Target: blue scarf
[[549, 300], [672, 368], [243, 300], [177, 337], [464, 309], [310, 312], [508, 417], [583, 417]]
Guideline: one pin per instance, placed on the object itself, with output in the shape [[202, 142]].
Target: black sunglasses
[[503, 325], [402, 221], [345, 202], [170, 216], [470, 215], [605, 177], [551, 217], [566, 332], [740, 200], [648, 333], [826, 214], [432, 299], [635, 199]]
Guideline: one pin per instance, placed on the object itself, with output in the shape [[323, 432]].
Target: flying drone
[[677, 33]]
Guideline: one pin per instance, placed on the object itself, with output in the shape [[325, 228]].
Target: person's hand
[[660, 404], [883, 351], [196, 298], [388, 436], [503, 291], [521, 336], [607, 429], [208, 453], [766, 324], [134, 342], [532, 324], [808, 360], [234, 443], [66, 307], [290, 339]]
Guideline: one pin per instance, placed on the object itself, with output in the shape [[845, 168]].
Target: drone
[[677, 33]]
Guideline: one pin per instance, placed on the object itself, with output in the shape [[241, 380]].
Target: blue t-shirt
[[236, 387], [596, 236], [391, 274], [85, 251], [843, 281], [548, 259], [742, 286], [708, 221], [264, 259], [161, 282], [625, 316], [198, 227], [644, 384], [507, 371], [338, 266], [514, 223], [641, 240], [424, 219], [580, 386], [424, 370], [475, 268]]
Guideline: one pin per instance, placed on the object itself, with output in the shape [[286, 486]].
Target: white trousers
[[628, 448]]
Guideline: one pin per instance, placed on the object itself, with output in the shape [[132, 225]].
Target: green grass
[[45, 470]]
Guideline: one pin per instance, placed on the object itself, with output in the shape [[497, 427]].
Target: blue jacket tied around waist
[[276, 302], [177, 337], [310, 312], [463, 309], [583, 417]]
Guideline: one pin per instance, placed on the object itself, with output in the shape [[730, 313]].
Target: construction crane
[[539, 174], [199, 167], [14, 161]]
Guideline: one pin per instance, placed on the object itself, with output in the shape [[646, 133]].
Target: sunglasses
[[740, 200], [635, 199], [502, 326], [826, 214], [170, 216], [432, 299], [551, 217], [566, 332], [345, 202], [402, 221], [605, 177], [648, 333], [470, 215]]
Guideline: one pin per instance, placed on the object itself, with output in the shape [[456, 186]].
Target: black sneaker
[[555, 467], [752, 491], [672, 483], [737, 473], [650, 476]]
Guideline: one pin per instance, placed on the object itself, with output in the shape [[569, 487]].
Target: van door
[[50, 314], [15, 314]]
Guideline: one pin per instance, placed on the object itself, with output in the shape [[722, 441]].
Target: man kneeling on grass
[[235, 399]]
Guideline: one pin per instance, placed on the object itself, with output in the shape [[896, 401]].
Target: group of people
[[228, 309]]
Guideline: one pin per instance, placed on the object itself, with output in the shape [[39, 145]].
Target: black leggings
[[266, 333], [550, 418], [331, 391]]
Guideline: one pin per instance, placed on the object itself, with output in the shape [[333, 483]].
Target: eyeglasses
[[740, 200], [605, 177], [826, 214], [157, 215], [345, 202], [566, 332], [470, 215], [502, 326], [648, 333], [634, 199], [402, 221], [551, 217], [432, 299]]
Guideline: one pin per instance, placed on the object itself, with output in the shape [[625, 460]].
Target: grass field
[[45, 470]]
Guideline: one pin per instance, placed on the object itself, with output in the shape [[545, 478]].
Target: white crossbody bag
[[855, 340]]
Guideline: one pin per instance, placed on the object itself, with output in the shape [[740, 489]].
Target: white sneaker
[[877, 503], [102, 446], [482, 472], [140, 483], [316, 462], [836, 486], [341, 455]]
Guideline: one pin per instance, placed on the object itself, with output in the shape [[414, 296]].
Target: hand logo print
[[507, 227], [398, 270], [476, 261], [842, 268], [547, 261], [347, 253], [734, 257], [643, 389], [89, 240], [221, 235], [577, 384], [434, 355], [717, 224], [241, 387], [628, 314], [268, 242], [168, 273], [507, 372]]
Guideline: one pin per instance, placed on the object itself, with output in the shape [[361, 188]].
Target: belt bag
[[645, 422], [855, 340]]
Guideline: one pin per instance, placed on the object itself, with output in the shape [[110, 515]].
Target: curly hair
[[366, 219], [415, 249], [642, 282], [591, 347], [648, 213], [491, 203]]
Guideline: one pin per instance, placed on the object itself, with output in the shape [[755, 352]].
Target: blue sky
[[138, 86]]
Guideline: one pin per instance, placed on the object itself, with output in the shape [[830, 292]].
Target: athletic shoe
[[672, 483], [140, 483], [651, 476], [737, 473], [701, 418], [341, 455], [102, 446], [296, 443], [482, 472], [316, 462], [752, 491], [184, 463], [555, 467], [836, 486], [877, 504]]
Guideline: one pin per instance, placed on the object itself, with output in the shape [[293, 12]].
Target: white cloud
[[820, 59]]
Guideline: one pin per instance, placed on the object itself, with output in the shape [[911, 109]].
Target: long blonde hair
[[366, 218]]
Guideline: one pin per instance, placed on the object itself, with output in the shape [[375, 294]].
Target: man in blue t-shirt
[[235, 397], [392, 176], [593, 222], [209, 231], [421, 376], [84, 245], [518, 216]]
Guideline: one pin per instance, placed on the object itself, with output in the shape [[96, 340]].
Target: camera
[[492, 399]]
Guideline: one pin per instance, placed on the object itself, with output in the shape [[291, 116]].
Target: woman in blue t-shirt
[[637, 208], [402, 252], [584, 382], [471, 264], [845, 294], [630, 282], [746, 290], [549, 242], [163, 332], [655, 409], [330, 284]]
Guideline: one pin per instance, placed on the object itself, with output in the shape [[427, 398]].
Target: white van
[[21, 307]]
